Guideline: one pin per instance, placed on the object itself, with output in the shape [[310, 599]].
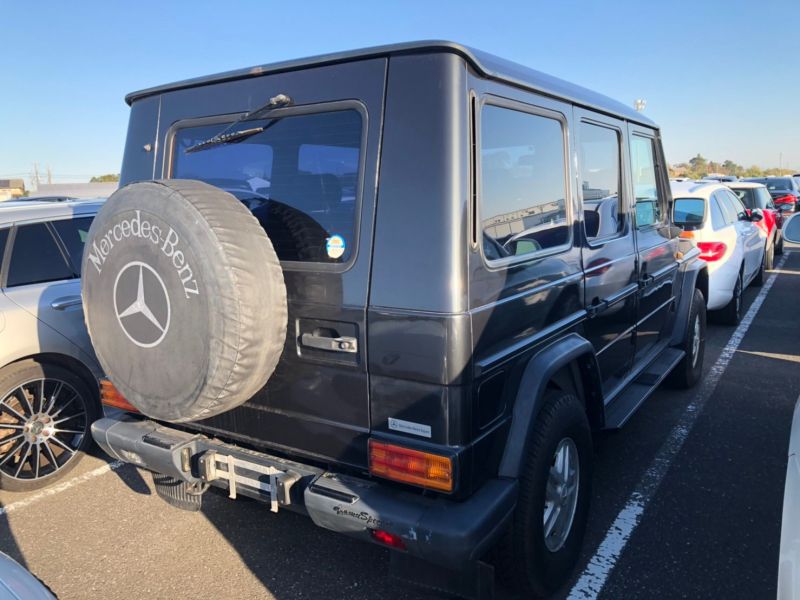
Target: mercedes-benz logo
[[141, 304]]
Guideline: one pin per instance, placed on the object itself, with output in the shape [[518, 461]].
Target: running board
[[623, 406]]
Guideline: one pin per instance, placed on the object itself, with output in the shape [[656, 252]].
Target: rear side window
[[765, 200], [523, 183], [36, 258], [645, 186], [599, 149], [299, 177], [73, 234], [729, 212], [689, 211], [717, 216]]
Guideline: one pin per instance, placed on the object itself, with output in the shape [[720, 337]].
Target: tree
[[698, 167], [754, 171], [105, 178]]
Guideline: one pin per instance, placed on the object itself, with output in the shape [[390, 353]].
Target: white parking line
[[57, 489], [597, 571]]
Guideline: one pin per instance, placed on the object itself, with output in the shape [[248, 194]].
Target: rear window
[[73, 234], [689, 211], [299, 177], [779, 183], [747, 196]]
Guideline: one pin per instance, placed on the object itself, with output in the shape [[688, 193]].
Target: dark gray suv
[[397, 290]]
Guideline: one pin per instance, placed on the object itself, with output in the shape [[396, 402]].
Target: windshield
[[299, 177], [689, 211]]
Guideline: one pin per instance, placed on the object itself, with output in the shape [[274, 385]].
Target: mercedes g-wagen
[[397, 290]]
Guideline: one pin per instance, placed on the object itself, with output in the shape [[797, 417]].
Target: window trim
[[530, 109], [292, 111], [646, 135], [5, 255], [599, 242]]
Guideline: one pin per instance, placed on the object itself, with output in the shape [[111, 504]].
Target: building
[[76, 190], [11, 188]]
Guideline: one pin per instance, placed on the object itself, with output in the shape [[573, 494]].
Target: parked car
[[789, 558], [48, 371], [17, 583], [729, 241], [720, 178], [755, 195], [785, 191], [372, 343]]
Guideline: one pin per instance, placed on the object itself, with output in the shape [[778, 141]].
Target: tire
[[758, 279], [42, 456], [525, 559], [688, 371], [184, 299], [778, 244], [731, 313]]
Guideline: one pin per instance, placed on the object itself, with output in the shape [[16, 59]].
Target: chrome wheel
[[561, 495], [42, 424], [695, 340]]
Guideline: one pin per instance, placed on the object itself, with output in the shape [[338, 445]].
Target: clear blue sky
[[721, 78]]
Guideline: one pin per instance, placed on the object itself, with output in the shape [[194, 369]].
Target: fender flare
[[694, 270], [529, 398]]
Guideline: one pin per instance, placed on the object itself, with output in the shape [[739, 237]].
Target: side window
[[766, 199], [738, 207], [728, 211], [523, 183], [3, 240], [717, 216], [73, 233], [36, 258], [603, 214], [645, 185]]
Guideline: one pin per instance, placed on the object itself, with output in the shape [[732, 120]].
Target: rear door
[[310, 179], [749, 235], [657, 264], [609, 252], [39, 278]]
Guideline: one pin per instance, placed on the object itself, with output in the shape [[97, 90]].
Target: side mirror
[[791, 229], [756, 215]]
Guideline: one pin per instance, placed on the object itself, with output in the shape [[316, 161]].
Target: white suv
[[48, 370], [717, 221]]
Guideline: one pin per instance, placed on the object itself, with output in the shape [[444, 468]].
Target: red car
[[756, 196]]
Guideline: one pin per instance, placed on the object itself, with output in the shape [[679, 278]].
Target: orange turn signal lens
[[411, 466], [110, 396], [688, 235]]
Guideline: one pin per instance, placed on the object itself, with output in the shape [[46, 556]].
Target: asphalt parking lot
[[687, 502]]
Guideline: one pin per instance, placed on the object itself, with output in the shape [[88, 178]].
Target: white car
[[734, 248]]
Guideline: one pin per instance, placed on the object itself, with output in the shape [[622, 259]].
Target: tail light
[[388, 539], [787, 199], [411, 466], [711, 251], [110, 396]]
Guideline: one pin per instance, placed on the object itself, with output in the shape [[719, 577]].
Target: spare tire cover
[[184, 298]]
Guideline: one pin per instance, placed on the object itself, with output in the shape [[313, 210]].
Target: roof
[[15, 211], [745, 184], [486, 64], [695, 189]]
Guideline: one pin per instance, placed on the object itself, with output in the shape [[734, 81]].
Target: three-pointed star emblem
[[144, 316]]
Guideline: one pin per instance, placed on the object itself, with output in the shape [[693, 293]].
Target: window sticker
[[335, 246]]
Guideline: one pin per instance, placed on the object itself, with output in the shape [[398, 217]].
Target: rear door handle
[[332, 344], [65, 302]]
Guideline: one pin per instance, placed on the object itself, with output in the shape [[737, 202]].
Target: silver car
[[48, 370]]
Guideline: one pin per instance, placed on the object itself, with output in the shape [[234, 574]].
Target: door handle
[[597, 307], [65, 302], [331, 344]]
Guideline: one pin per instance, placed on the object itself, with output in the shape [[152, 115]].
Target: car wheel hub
[[561, 495]]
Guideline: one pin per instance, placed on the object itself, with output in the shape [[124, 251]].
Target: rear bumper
[[443, 532]]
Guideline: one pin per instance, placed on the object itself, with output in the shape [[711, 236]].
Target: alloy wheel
[[42, 424], [561, 495]]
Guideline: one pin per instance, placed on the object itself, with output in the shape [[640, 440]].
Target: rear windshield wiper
[[224, 137]]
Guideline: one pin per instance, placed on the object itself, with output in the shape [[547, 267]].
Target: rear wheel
[[688, 371], [778, 244], [542, 544], [45, 415], [731, 314]]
